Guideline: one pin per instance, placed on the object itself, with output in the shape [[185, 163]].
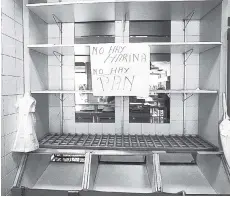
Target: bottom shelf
[[95, 174], [61, 176], [185, 177], [122, 178], [169, 143]]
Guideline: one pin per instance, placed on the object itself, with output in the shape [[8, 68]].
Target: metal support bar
[[124, 22], [190, 141], [55, 138], [122, 140], [56, 54], [176, 142], [187, 54], [199, 142], [226, 167], [58, 22], [188, 97], [71, 139], [59, 57], [63, 139], [18, 178], [187, 19], [160, 141], [115, 141], [85, 139], [146, 142], [179, 138], [78, 139], [130, 141], [99, 142], [152, 141], [61, 98], [157, 173], [167, 141], [184, 142], [86, 171], [48, 139], [93, 140], [138, 142], [107, 141]]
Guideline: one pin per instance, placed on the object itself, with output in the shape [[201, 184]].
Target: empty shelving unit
[[167, 143]]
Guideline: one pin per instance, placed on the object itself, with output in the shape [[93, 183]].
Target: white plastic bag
[[225, 131], [26, 139]]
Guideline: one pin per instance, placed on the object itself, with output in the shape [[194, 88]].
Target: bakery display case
[[165, 143]]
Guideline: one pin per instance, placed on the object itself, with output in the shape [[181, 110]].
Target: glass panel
[[94, 32], [159, 75], [83, 76], [89, 108], [149, 31], [152, 109], [156, 107]]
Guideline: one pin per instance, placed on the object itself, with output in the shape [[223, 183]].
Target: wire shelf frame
[[169, 143]]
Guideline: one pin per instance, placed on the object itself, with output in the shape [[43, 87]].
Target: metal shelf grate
[[181, 143]]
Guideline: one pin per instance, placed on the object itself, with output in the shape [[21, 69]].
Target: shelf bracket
[[56, 54], [187, 19], [188, 54], [124, 21], [188, 97], [61, 99], [58, 22]]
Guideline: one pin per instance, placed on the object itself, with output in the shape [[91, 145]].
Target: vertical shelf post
[[59, 56], [186, 56]]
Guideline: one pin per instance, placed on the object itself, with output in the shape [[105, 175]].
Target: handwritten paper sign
[[120, 69]]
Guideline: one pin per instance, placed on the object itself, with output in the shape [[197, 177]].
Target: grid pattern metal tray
[[173, 143]]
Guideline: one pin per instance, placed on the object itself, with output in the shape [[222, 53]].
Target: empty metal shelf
[[61, 176], [185, 177], [173, 143], [121, 178]]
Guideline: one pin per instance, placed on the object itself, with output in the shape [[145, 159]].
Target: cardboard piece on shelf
[[120, 69], [26, 139]]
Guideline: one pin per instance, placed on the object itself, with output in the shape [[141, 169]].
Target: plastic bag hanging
[[26, 139], [225, 131]]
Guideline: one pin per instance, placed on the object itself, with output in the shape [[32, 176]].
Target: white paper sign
[[120, 69]]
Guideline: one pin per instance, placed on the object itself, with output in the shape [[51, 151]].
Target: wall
[[12, 86], [177, 73], [228, 85]]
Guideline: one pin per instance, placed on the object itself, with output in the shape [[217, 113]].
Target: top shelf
[[157, 47], [91, 10]]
